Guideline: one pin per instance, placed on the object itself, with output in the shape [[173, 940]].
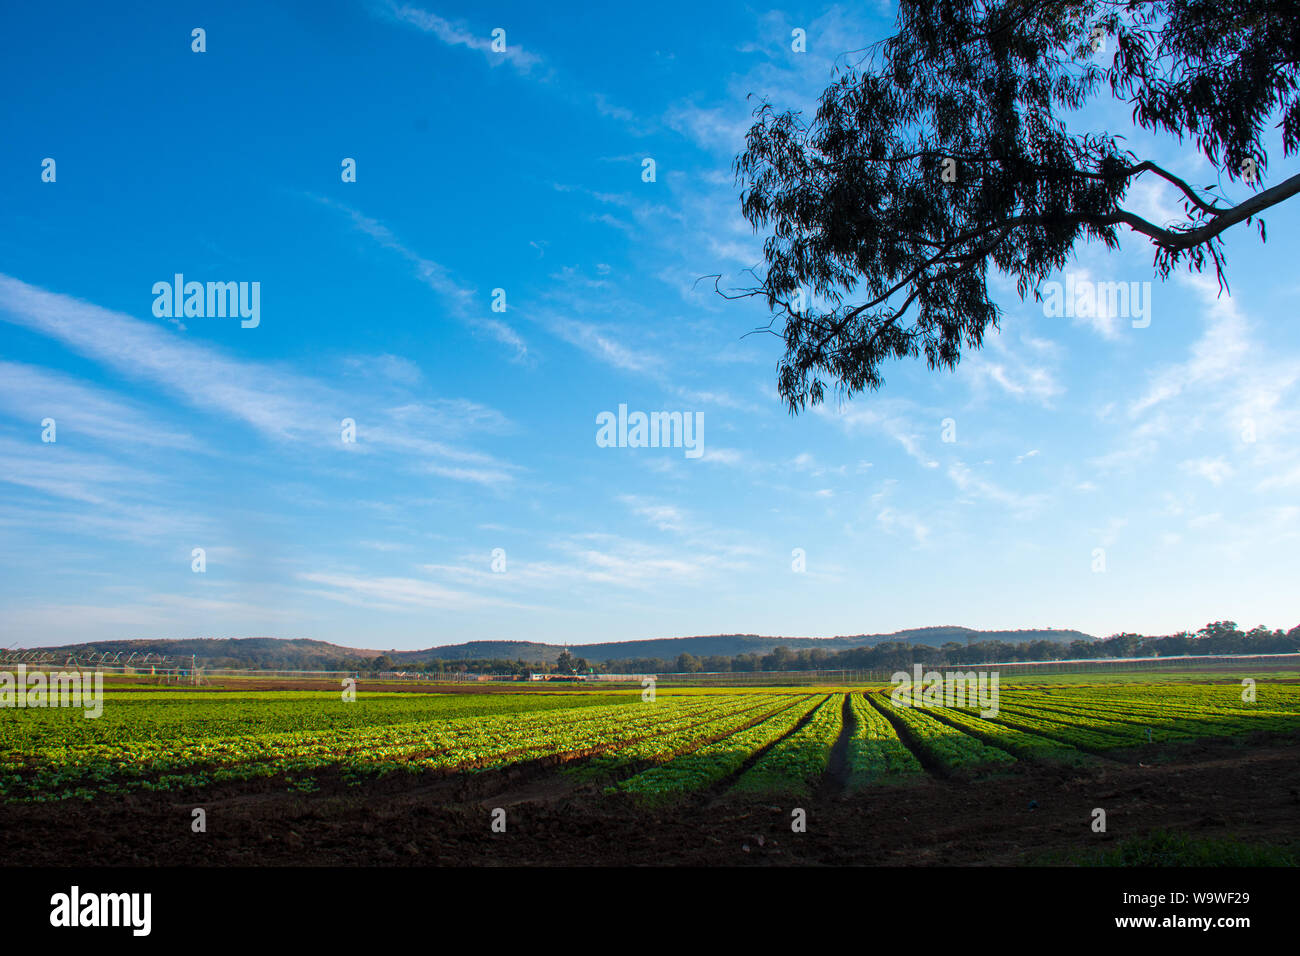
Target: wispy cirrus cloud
[[1213, 470], [1217, 355], [31, 393], [600, 343], [971, 484], [1230, 385], [60, 489], [67, 473], [527, 63], [283, 406], [394, 592], [893, 521], [278, 403], [459, 298], [460, 35], [888, 418]]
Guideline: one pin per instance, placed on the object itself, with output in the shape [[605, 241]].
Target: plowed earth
[[1246, 787]]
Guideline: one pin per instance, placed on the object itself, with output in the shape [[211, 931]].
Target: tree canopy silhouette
[[945, 153]]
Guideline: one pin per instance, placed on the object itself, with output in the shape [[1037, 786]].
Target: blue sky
[[1173, 447]]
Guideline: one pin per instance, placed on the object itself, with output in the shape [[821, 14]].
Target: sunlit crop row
[[875, 753], [939, 742], [714, 762], [769, 741], [794, 765]]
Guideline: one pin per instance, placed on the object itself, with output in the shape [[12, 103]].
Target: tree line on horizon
[[1217, 638]]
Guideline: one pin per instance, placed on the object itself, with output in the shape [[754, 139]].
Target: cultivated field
[[590, 776]]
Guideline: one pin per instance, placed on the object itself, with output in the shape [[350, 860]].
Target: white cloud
[[876, 418], [1016, 373], [31, 394], [281, 405], [893, 521], [1216, 356], [458, 35], [459, 298], [969, 482], [1213, 470], [393, 593], [601, 344]]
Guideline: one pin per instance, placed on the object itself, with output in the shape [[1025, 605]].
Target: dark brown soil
[[1247, 788]]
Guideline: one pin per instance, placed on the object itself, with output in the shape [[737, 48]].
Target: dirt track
[[1248, 789]]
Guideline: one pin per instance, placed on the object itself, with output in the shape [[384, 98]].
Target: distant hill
[[728, 645], [254, 652], [305, 654]]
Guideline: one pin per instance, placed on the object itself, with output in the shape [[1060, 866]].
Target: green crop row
[[1085, 738], [943, 744], [876, 754], [155, 717], [682, 735], [796, 763], [1132, 733], [1228, 696], [688, 739], [1129, 716], [716, 761], [1020, 743], [1206, 719], [464, 742]]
